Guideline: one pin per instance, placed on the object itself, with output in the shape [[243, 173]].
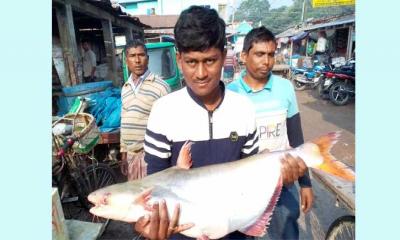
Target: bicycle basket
[[84, 128]]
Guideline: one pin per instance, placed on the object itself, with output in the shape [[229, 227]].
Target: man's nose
[[201, 71]]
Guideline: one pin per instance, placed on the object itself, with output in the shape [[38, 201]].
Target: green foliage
[[280, 19]]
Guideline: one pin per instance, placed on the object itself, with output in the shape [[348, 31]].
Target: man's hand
[[292, 168], [158, 226], [306, 198], [124, 163]]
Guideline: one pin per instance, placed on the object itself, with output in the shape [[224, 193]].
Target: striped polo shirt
[[136, 105], [226, 134]]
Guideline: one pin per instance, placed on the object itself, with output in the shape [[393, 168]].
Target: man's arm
[[295, 136], [294, 131], [93, 63], [157, 147], [251, 145]]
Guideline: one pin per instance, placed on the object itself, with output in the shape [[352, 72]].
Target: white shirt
[[89, 61]]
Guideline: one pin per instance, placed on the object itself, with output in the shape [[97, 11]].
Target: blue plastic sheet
[[105, 106]]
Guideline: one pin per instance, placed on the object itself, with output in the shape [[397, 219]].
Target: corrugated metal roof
[[330, 22], [159, 21], [115, 9], [345, 20]]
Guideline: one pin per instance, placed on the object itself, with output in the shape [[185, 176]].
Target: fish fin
[[330, 164], [143, 198], [184, 160], [259, 228]]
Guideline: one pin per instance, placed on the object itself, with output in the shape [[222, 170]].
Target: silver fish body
[[218, 199]]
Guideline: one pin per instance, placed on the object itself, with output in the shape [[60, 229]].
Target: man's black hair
[[134, 44], [260, 34], [198, 29]]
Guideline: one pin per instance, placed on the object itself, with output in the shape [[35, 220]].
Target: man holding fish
[[278, 121], [219, 124]]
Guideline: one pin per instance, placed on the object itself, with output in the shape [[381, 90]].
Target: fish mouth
[[96, 201]]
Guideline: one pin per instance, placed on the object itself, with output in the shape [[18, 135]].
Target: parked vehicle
[[343, 90], [338, 85], [307, 77], [162, 61]]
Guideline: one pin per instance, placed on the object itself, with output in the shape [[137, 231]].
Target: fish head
[[119, 202]]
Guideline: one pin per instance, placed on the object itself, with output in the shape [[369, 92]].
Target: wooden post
[[110, 50], [68, 42]]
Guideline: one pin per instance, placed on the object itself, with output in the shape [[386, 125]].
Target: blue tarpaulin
[[299, 36], [104, 103]]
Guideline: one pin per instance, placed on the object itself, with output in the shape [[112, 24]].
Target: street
[[320, 117]]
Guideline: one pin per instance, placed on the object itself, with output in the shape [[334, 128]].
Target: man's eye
[[259, 54], [191, 62], [210, 61]]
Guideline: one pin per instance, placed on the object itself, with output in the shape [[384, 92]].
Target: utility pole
[[233, 13], [303, 11]]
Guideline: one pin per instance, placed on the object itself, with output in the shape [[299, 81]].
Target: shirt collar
[[248, 89], [198, 101], [141, 78]]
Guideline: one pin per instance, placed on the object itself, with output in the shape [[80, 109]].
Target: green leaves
[[280, 19]]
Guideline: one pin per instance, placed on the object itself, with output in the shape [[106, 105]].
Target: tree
[[280, 19], [252, 10]]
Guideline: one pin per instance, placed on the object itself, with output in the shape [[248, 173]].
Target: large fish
[[220, 198]]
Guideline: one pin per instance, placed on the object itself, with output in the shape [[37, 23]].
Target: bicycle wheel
[[343, 228], [94, 177]]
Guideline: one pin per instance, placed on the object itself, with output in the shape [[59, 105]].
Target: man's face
[[260, 59], [202, 70], [85, 46], [137, 61]]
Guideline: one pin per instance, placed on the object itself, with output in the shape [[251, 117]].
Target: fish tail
[[330, 164]]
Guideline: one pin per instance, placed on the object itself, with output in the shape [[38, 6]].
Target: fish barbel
[[218, 199]]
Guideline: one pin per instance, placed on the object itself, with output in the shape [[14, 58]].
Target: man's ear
[[179, 60], [243, 56]]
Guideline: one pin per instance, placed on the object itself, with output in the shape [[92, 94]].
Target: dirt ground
[[321, 116]]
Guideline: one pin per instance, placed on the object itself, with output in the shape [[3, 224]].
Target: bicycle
[[75, 172]]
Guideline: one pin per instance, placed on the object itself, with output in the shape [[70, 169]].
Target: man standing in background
[[137, 95], [89, 62], [278, 121]]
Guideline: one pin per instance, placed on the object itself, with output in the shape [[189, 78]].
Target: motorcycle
[[338, 85], [304, 77]]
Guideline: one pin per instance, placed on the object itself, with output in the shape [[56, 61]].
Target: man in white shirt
[[89, 63]]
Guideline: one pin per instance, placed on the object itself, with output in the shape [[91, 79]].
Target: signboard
[[331, 3]]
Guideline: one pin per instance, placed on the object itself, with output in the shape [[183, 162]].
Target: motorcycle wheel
[[298, 86], [338, 95]]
